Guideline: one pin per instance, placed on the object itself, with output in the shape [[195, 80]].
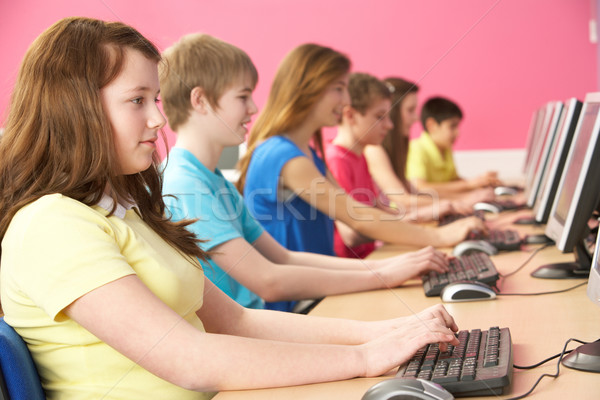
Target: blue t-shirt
[[294, 223], [222, 215]]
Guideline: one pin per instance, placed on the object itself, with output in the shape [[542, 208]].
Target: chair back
[[21, 379]]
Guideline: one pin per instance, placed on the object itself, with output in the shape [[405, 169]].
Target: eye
[[137, 100], [157, 100]]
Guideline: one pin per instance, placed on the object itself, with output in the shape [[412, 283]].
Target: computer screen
[[538, 143], [534, 126], [579, 186], [547, 140], [587, 357], [558, 155]]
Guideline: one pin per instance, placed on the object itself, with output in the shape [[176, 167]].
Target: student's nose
[[387, 122], [252, 108], [156, 120]]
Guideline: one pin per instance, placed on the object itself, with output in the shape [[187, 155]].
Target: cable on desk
[[526, 261], [541, 293], [550, 358], [561, 355]]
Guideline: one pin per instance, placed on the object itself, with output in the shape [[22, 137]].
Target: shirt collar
[[106, 202], [432, 148]]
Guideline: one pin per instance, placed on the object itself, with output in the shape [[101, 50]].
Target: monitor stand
[[580, 268], [584, 358], [538, 239]]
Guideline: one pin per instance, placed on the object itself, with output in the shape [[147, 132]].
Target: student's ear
[[198, 100], [431, 124]]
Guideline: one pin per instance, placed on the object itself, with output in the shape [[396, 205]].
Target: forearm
[[261, 363], [296, 282], [410, 200], [300, 328], [349, 236], [392, 229], [445, 189], [333, 263]]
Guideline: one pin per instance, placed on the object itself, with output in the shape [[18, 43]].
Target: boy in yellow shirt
[[430, 163]]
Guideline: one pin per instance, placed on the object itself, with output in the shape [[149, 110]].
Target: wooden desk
[[558, 316]]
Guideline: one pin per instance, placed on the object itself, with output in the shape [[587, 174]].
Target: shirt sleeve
[[416, 165], [61, 250], [264, 171], [221, 216], [251, 227], [341, 170]]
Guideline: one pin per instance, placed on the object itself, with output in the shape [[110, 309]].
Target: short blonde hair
[[365, 90], [199, 60]]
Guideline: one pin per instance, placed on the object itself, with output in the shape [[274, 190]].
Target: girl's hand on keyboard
[[468, 200], [397, 270], [433, 325], [457, 231]]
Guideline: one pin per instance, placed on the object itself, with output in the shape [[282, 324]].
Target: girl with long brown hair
[[105, 290], [285, 182]]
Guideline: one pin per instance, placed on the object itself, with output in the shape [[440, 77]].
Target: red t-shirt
[[352, 173]]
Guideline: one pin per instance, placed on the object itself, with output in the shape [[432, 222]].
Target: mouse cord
[[526, 261], [541, 293], [547, 359], [561, 355]]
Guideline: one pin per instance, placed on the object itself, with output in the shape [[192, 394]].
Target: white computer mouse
[[471, 246], [489, 207], [505, 191], [467, 291], [407, 389]]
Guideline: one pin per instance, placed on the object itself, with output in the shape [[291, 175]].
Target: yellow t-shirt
[[57, 249], [425, 161]]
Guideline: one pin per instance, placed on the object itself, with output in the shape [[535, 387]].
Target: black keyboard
[[503, 240], [480, 365], [473, 267], [449, 218], [507, 205]]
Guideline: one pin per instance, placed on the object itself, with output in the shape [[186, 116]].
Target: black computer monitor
[[540, 160], [577, 196], [558, 155], [587, 357]]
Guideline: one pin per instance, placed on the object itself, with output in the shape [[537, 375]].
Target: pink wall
[[498, 59]]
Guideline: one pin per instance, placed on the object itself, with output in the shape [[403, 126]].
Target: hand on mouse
[[409, 334]]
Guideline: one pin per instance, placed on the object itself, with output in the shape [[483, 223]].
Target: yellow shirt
[[425, 161], [57, 249]]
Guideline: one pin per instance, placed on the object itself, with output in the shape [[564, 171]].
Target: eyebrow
[[142, 89]]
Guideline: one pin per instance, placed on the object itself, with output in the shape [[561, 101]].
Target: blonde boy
[[364, 122], [206, 87]]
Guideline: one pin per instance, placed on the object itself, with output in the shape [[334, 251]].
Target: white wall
[[508, 163]]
